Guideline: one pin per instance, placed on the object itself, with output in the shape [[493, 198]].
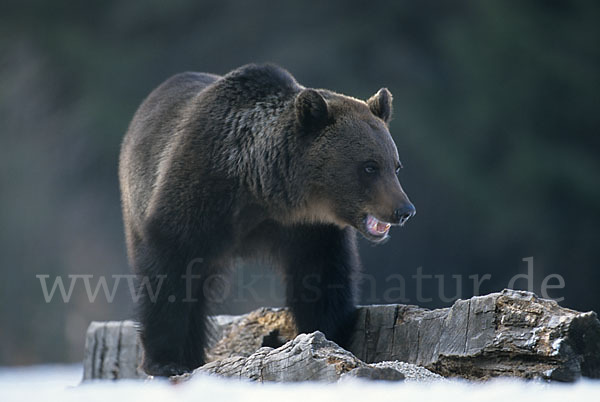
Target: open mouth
[[377, 228]]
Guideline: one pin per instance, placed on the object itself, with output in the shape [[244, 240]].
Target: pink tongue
[[381, 227]]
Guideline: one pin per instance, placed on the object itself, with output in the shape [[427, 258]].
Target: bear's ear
[[311, 109], [381, 105]]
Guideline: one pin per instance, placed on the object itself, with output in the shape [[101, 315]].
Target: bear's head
[[351, 161]]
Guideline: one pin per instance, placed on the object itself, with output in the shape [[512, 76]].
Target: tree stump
[[112, 351], [510, 333]]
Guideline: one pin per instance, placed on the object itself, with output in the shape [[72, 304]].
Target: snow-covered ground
[[60, 383]]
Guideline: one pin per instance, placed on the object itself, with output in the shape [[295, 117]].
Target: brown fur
[[252, 164]]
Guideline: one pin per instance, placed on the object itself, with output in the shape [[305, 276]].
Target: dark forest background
[[497, 117]]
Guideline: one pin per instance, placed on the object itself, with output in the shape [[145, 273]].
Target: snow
[[60, 383]]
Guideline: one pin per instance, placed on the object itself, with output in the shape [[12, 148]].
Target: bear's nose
[[404, 213]]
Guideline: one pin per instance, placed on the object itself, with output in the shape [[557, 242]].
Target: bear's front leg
[[172, 315], [321, 272]]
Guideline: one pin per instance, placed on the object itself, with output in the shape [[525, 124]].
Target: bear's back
[[149, 134], [257, 81], [240, 105]]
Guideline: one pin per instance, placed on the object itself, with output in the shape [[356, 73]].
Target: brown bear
[[252, 165]]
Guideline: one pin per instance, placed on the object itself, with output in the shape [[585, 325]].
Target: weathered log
[[307, 357], [112, 351], [511, 333], [243, 335]]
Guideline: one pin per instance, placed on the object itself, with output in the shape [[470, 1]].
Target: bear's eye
[[398, 168], [371, 167]]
